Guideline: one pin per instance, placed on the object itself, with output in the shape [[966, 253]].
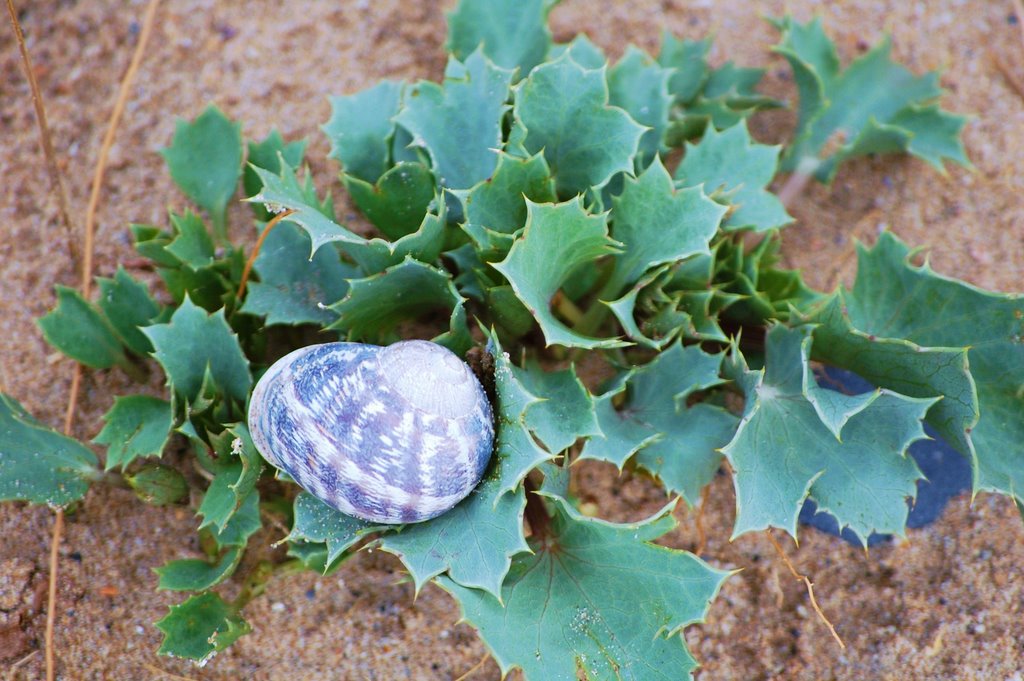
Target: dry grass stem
[[274, 222], [807, 583], [475, 667], [56, 179]]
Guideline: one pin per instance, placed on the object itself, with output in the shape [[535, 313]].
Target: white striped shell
[[396, 434]]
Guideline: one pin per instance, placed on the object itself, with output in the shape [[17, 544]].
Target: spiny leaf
[[79, 331], [239, 446], [566, 410], [595, 601], [512, 33], [474, 542], [361, 128], [783, 452], [136, 426], [194, 342], [557, 239], [458, 123], [656, 224], [318, 523], [158, 485], [191, 574], [688, 61], [38, 464], [231, 525], [872, 106], [398, 201], [264, 154], [127, 305], [192, 244], [515, 450], [283, 192], [292, 288], [581, 50], [677, 443], [423, 244], [564, 108], [736, 171], [945, 318], [639, 85], [495, 208], [200, 627], [374, 306], [205, 161]]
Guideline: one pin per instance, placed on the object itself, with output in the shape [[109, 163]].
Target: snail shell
[[396, 434]]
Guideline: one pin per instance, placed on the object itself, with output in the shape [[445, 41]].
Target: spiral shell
[[396, 434]]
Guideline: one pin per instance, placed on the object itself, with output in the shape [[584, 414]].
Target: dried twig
[[475, 667], [1005, 69], [56, 179], [274, 222], [19, 664], [108, 142], [810, 587], [86, 261]]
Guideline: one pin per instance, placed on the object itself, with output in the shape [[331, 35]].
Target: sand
[[944, 605]]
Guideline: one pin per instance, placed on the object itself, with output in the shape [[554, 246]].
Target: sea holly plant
[[537, 205]]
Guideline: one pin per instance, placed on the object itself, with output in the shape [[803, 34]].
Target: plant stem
[[567, 308]]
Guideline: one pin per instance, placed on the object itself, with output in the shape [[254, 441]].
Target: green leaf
[[264, 154], [198, 575], [736, 171], [318, 523], [657, 224], [398, 201], [242, 522], [194, 342], [679, 444], [361, 128], [783, 452], [78, 330], [220, 501], [564, 108], [38, 464], [137, 426], [498, 203], [374, 306], [200, 627], [192, 245], [597, 600], [292, 288], [474, 542], [458, 123], [205, 161], [872, 106], [557, 239], [581, 50], [283, 192], [511, 33], [239, 444], [424, 244], [158, 485], [942, 319], [566, 410], [688, 61], [127, 305], [639, 85], [515, 450]]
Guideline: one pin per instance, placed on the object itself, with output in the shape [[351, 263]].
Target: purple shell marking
[[396, 434]]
